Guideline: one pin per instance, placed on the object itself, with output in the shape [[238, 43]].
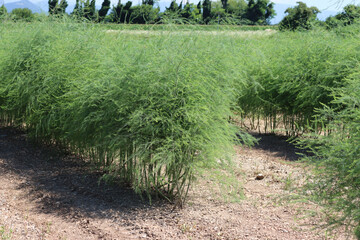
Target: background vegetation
[[253, 12], [148, 115]]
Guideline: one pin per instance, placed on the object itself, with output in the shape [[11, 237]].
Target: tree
[[172, 12], [237, 8], [62, 7], [199, 6], [126, 12], [105, 6], [224, 4], [186, 12], [180, 6], [260, 11], [148, 2], [56, 8], [121, 13], [144, 14], [116, 12], [299, 17], [217, 11], [350, 15], [206, 11], [174, 8], [22, 14], [191, 13], [52, 5], [78, 11], [89, 10], [3, 11]]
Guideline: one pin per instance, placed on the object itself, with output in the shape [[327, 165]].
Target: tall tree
[[191, 13], [186, 12], [173, 7], [3, 11], [62, 7], [116, 12], [89, 10], [172, 12], [299, 17], [350, 14], [92, 10], [148, 2], [260, 11], [144, 14], [105, 6], [52, 6], [224, 4], [206, 11], [126, 12], [180, 6], [78, 11], [199, 6], [22, 14], [237, 8], [56, 8], [121, 13]]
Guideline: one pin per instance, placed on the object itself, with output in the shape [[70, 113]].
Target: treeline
[[226, 12], [252, 12], [302, 17]]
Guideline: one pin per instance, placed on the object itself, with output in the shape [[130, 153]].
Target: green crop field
[[151, 108]]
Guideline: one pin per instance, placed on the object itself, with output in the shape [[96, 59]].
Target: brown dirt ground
[[45, 194]]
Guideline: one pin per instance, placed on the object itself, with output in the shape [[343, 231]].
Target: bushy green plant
[[284, 85], [3, 12], [336, 156], [148, 111], [260, 11], [22, 14], [350, 15], [300, 17]]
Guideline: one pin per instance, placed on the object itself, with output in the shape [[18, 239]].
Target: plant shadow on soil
[[66, 186], [280, 146]]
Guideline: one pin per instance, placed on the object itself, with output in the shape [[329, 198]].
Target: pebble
[[259, 177]]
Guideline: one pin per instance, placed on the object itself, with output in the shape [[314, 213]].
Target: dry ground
[[45, 194], [266, 32]]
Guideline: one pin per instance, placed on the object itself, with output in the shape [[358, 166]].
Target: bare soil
[[266, 32], [46, 194]]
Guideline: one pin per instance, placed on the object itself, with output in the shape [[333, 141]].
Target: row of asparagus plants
[[147, 110], [289, 75], [335, 157]]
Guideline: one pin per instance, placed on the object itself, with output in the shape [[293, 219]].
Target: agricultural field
[[167, 132]]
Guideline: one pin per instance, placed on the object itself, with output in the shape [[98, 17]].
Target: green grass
[[5, 233]]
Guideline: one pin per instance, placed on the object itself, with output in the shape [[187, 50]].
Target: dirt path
[[266, 32], [44, 195]]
